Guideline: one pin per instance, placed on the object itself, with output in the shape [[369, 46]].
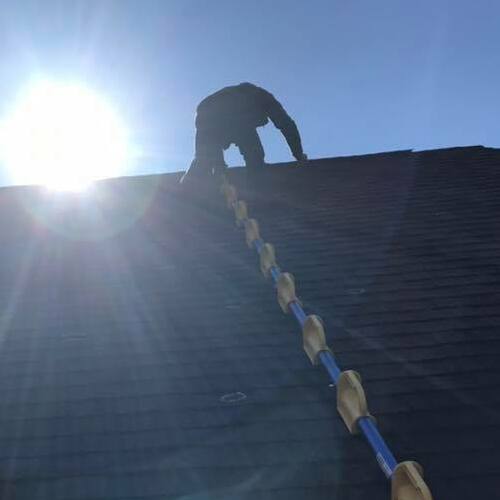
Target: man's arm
[[284, 122]]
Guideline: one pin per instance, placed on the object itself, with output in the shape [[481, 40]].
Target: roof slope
[[132, 320]]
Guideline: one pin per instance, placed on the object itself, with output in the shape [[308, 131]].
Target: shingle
[[117, 352]]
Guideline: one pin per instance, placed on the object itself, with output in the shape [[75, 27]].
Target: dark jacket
[[235, 108]]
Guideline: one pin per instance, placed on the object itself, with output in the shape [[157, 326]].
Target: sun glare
[[62, 136]]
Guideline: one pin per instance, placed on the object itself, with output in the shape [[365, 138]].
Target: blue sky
[[357, 76]]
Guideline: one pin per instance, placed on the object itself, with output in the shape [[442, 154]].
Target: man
[[231, 116]]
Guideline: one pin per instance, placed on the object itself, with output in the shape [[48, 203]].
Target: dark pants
[[209, 151], [248, 142]]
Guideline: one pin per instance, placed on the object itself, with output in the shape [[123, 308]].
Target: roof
[[144, 356]]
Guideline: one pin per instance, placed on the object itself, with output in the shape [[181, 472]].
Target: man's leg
[[248, 142], [209, 156]]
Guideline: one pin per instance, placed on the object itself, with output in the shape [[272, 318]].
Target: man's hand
[[302, 160]]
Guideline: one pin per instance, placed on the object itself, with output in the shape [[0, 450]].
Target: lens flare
[[63, 136]]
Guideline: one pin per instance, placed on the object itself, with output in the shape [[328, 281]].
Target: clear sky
[[357, 76]]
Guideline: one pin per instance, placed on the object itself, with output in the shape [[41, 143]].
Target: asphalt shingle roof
[[143, 355]]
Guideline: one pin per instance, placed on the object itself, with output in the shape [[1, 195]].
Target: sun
[[63, 136]]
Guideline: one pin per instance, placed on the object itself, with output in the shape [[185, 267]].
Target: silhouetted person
[[231, 116]]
